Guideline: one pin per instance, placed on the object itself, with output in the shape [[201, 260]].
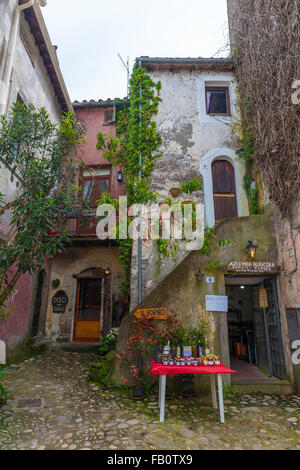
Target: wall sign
[[217, 303], [152, 313], [253, 267], [263, 298], [59, 302]]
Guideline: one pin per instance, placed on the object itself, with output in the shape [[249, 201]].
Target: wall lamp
[[251, 249], [107, 271], [120, 176]]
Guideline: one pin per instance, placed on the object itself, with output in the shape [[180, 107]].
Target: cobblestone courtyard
[[74, 414]]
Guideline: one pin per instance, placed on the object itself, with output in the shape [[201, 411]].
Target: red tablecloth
[[160, 369]]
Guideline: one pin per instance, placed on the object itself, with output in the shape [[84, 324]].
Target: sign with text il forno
[[59, 302], [151, 313], [252, 267], [217, 303]]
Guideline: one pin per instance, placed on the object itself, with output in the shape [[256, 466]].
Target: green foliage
[[252, 194], [107, 342], [40, 155], [136, 135], [191, 186], [207, 247], [191, 336], [3, 392], [166, 248], [246, 154], [101, 371]]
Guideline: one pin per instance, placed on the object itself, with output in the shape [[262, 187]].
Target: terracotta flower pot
[[174, 192]]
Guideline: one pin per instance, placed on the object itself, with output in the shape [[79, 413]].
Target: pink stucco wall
[[18, 326], [15, 329], [93, 118]]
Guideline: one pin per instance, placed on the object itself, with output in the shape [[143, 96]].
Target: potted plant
[[138, 390], [175, 192]]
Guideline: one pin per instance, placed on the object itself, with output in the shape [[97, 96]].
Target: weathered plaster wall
[[191, 142], [30, 80], [73, 262], [93, 118], [29, 77], [181, 292]]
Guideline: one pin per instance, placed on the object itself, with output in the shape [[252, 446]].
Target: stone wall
[[181, 292], [65, 267], [191, 140], [31, 82]]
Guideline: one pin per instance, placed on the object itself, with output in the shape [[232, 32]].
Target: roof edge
[[187, 63], [39, 30]]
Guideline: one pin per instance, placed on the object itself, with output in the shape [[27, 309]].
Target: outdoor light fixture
[[107, 271], [120, 176], [251, 249], [242, 287], [199, 276]]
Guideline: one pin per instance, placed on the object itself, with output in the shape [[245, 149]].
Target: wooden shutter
[[224, 190]]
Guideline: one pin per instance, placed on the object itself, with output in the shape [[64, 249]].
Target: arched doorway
[[37, 305], [93, 310], [224, 190]]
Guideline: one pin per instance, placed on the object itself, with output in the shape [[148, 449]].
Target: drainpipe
[[4, 85], [140, 297]]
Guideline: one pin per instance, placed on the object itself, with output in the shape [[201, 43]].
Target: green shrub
[[108, 342], [3, 392], [102, 370]]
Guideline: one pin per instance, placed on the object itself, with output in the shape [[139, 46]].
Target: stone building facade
[[194, 120], [29, 72], [287, 234], [89, 272]]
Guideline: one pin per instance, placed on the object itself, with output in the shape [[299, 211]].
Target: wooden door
[[88, 310], [274, 330], [224, 190]]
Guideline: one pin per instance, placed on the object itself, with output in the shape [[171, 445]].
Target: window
[[94, 183], [217, 100], [109, 117]]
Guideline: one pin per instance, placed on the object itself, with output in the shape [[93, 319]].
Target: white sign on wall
[[2, 352], [217, 303]]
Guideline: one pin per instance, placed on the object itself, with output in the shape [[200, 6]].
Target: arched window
[[224, 190]]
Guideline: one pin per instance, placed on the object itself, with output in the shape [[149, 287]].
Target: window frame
[[95, 179], [218, 88]]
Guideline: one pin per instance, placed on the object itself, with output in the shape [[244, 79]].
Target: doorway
[[93, 309], [255, 341]]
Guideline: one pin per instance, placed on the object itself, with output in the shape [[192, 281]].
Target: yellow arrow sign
[[151, 313]]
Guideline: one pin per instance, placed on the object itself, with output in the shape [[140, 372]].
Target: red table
[[163, 371]]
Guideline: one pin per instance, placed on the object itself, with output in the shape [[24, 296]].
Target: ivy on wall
[[136, 135]]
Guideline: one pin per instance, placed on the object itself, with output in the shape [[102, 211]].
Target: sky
[[90, 34]]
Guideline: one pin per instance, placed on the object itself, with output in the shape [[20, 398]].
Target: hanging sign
[[253, 267], [151, 313], [217, 303], [263, 298], [59, 302]]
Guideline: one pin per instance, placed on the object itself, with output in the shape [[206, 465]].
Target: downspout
[[4, 85], [140, 296]]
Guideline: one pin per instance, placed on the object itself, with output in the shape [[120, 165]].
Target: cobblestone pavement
[[77, 415]]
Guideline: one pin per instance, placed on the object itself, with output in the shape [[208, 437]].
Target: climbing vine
[[265, 36], [136, 138], [212, 243]]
